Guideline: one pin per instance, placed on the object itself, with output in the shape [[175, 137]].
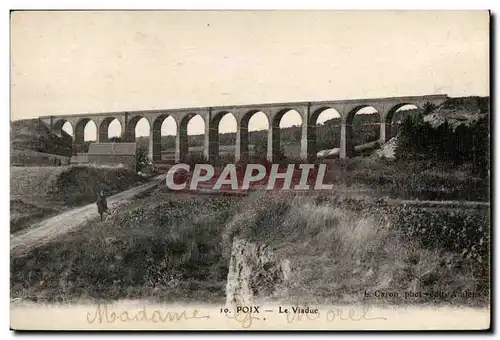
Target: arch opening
[[110, 130], [63, 127], [130, 133], [254, 127], [191, 138], [85, 134], [362, 128], [68, 128], [114, 130], [163, 134], [142, 133], [64, 130], [287, 125], [90, 132], [324, 132], [223, 136], [396, 116]]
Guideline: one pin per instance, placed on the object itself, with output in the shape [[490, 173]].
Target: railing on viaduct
[[309, 112]]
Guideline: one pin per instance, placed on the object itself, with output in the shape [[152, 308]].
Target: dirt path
[[53, 227]]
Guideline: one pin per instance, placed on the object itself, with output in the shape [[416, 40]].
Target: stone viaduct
[[309, 112]]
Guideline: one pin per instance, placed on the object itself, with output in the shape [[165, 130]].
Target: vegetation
[[340, 248], [177, 249], [465, 144], [143, 165], [154, 248], [170, 248], [32, 134]]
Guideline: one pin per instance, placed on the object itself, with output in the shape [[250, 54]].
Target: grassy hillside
[[31, 134]]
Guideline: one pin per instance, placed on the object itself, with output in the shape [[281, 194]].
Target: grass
[[176, 249], [23, 213], [29, 157]]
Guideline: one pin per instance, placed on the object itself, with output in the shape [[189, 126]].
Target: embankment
[[38, 192]]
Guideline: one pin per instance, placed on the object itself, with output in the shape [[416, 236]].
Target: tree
[[428, 108], [143, 163]]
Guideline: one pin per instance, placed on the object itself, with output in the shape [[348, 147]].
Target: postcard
[[250, 170]]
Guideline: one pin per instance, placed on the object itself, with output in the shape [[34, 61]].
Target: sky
[[90, 62]]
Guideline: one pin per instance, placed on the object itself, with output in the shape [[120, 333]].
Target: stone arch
[[214, 148], [390, 130], [314, 119], [79, 131], [103, 129], [245, 119], [58, 127], [129, 135], [330, 137], [183, 138], [244, 130], [276, 133], [357, 109], [156, 148], [373, 126], [390, 113]]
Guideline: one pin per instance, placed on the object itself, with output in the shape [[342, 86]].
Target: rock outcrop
[[388, 150], [255, 273]]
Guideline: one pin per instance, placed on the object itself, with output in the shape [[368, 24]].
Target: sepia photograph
[[250, 170]]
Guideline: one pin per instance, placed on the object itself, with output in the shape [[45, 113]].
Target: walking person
[[102, 204]]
